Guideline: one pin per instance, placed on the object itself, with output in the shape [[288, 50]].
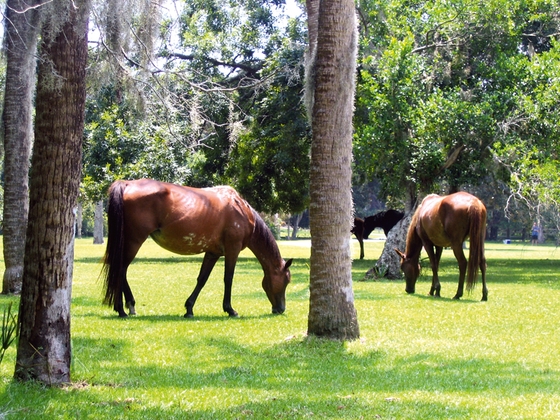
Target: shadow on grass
[[450, 299], [294, 379]]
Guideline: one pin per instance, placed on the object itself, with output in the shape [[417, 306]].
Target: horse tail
[[477, 234], [113, 261]]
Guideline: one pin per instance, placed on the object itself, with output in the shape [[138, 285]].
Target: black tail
[[112, 269]]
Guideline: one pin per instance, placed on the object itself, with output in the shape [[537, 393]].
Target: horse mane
[[262, 240], [413, 242]]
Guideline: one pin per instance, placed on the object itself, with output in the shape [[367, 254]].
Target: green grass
[[417, 358]]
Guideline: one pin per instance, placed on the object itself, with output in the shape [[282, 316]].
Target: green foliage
[[445, 87], [119, 146], [8, 332], [226, 84], [269, 162], [418, 357]]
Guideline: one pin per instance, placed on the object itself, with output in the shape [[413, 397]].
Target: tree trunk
[[44, 352], [98, 223], [79, 220], [21, 32], [297, 219], [389, 263], [332, 76]]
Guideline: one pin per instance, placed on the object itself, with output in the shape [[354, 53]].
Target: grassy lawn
[[418, 357]]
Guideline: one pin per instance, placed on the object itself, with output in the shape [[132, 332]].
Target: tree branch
[[252, 70]]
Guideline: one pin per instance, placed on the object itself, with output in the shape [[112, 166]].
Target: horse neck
[[370, 223], [264, 246], [413, 241]]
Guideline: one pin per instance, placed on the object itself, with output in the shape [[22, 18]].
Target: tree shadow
[[296, 378]]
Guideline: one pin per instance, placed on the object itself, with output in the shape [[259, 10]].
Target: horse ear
[[400, 254], [288, 263]]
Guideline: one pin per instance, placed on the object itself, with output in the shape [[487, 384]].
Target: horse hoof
[[123, 315], [233, 314], [187, 315]]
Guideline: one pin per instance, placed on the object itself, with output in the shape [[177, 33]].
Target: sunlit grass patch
[[417, 357]]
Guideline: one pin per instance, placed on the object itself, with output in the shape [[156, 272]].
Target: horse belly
[[187, 243], [433, 231]]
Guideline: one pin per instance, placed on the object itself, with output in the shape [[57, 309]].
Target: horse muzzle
[[278, 310]]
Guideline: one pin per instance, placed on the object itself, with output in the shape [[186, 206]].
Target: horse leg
[[483, 273], [118, 299], [208, 264], [230, 262], [131, 249], [462, 261], [434, 262], [361, 241], [128, 298]]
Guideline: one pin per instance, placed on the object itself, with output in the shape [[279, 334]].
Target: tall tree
[[21, 30], [331, 85], [44, 351]]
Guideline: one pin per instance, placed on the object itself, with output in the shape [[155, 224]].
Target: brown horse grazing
[[216, 221], [446, 222], [384, 219]]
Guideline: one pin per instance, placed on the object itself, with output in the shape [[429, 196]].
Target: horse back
[[187, 220], [446, 220]]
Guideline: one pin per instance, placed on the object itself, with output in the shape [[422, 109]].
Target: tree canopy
[[215, 100], [449, 96], [452, 94]]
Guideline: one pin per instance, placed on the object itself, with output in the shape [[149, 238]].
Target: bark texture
[[331, 75], [44, 350], [389, 263], [21, 31]]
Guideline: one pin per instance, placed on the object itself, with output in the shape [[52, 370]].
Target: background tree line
[[449, 96]]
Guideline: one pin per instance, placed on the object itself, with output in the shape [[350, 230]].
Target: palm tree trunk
[[331, 305], [44, 350], [21, 32]]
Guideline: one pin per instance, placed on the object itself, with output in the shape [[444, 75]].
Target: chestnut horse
[[384, 219], [184, 220], [446, 222]]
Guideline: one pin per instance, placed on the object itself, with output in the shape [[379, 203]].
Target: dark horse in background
[[213, 221], [384, 219], [447, 222]]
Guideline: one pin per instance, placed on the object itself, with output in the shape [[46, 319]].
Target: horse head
[[411, 269], [274, 284]]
